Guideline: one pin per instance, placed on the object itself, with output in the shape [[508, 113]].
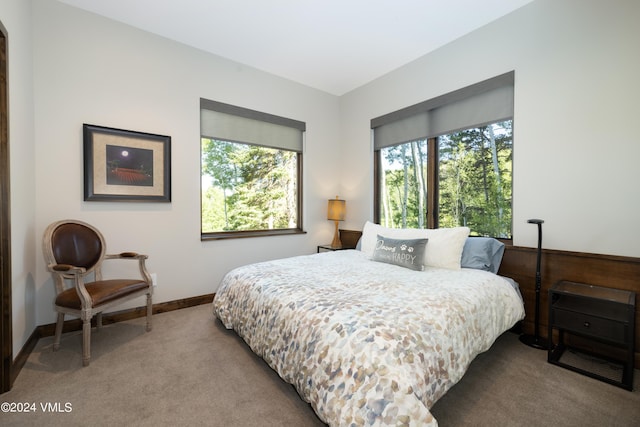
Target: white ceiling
[[331, 45]]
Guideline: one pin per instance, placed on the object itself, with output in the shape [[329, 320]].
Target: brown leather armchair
[[74, 251]]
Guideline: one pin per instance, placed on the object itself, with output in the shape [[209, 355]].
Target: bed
[[370, 341]]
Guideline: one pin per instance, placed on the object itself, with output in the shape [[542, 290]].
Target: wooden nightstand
[[349, 240], [594, 313]]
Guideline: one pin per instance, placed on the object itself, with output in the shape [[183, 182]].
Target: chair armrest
[[141, 258], [65, 269], [126, 255]]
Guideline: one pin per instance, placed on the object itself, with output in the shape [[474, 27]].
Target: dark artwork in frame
[[123, 165]]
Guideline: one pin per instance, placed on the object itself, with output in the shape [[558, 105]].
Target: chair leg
[[86, 341], [99, 321], [59, 324], [149, 312]]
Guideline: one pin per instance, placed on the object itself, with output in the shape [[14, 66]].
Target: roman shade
[[236, 124], [479, 104]]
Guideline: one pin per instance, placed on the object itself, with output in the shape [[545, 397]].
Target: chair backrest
[[74, 242]]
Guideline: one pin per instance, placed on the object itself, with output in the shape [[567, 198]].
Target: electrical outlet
[[154, 279]]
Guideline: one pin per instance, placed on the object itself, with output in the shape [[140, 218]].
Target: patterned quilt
[[364, 342]]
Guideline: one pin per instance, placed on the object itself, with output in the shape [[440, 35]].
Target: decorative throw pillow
[[370, 233], [407, 253]]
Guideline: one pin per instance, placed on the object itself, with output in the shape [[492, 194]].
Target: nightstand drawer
[[590, 325]]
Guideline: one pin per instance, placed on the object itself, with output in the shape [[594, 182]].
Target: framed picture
[[122, 165]]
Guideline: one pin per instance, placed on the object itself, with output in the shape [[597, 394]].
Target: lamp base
[[336, 243], [534, 341]]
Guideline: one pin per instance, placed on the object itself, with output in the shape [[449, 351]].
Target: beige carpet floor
[[191, 371]]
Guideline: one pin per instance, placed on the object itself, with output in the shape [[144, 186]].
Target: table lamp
[[335, 212]]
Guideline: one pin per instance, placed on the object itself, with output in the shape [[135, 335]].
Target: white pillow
[[445, 246], [443, 250]]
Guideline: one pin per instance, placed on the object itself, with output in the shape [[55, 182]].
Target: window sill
[[253, 233]]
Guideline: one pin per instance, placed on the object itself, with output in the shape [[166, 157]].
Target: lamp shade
[[336, 209]]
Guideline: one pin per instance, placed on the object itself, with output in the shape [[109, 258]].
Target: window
[[447, 162], [402, 185], [251, 169], [474, 179]]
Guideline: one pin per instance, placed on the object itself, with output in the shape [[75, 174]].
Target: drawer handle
[[586, 324]]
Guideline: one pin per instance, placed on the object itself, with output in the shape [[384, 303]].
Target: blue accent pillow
[[407, 253], [482, 253]]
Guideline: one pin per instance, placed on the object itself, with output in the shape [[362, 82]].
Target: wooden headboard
[[349, 238], [608, 271]]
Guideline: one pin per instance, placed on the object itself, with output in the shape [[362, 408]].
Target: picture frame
[[122, 165]]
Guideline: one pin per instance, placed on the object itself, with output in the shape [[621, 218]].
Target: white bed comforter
[[366, 343]]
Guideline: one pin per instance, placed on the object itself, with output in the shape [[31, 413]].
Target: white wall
[[15, 16], [89, 69], [576, 140]]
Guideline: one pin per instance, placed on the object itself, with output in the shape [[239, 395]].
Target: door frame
[[6, 332]]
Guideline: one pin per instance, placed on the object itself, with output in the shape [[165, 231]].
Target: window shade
[[230, 123], [472, 106]]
